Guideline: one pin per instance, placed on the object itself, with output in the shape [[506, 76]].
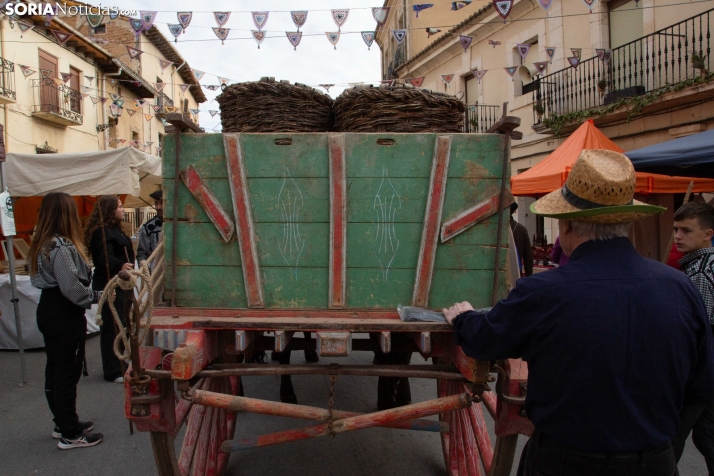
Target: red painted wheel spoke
[[193, 428], [483, 439], [469, 442]]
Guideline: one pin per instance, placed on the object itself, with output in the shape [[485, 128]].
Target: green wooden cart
[[267, 235]]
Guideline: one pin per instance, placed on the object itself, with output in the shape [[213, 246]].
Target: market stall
[[692, 156]]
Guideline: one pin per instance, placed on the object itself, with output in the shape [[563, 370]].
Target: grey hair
[[600, 231]]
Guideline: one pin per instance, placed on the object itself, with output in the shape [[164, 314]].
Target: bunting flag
[[399, 35], [148, 117], [294, 37], [184, 87], [136, 25], [131, 112], [134, 143], [368, 37], [577, 52], [494, 43], [113, 82], [589, 4], [194, 111], [380, 14], [600, 53], [299, 17], [156, 107], [158, 151], [103, 100], [49, 15], [223, 80], [326, 86], [465, 42], [95, 20], [503, 7], [133, 52], [333, 37], [85, 89], [479, 74], [260, 19], [259, 36], [459, 5], [147, 18], [388, 82], [58, 82], [545, 4], [213, 113], [24, 27], [184, 19], [61, 36], [432, 31], [511, 70], [89, 78], [606, 56], [141, 102], [121, 141], [176, 29], [221, 33], [94, 100], [119, 103], [159, 86], [421, 7], [198, 74], [574, 61], [84, 96], [212, 87], [113, 14], [447, 78], [523, 49], [45, 73], [66, 76], [541, 66], [416, 82], [221, 18], [550, 52], [137, 106], [164, 63], [150, 143], [340, 17]]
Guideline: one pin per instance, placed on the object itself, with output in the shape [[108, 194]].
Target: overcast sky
[[315, 61]]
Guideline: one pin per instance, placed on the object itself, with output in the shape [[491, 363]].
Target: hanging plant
[[699, 61], [539, 109]]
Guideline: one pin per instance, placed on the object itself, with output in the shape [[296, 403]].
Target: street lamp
[[116, 111]]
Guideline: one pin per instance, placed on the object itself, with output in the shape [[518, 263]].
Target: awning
[[692, 156]]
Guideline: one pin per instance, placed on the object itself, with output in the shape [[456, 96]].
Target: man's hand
[[451, 313], [127, 266]]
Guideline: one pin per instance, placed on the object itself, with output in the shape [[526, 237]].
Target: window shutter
[[626, 24]]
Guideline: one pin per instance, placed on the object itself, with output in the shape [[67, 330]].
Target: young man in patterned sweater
[[693, 231]]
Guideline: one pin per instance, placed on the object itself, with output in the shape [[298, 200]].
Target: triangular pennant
[[158, 151], [299, 18], [84, 96], [198, 74], [294, 37], [159, 86], [577, 52], [170, 109], [148, 117], [340, 17], [421, 7], [141, 102], [137, 25], [119, 103], [574, 61], [223, 80], [156, 107], [45, 73], [380, 14], [326, 86], [61, 36], [368, 37], [541, 66], [589, 4], [147, 19], [606, 56], [58, 82], [195, 111], [103, 99], [494, 43], [550, 52], [89, 78], [176, 29], [260, 19], [212, 87], [184, 18], [459, 5], [523, 49], [113, 14], [134, 143], [503, 8], [388, 82], [49, 14], [479, 74], [94, 20], [333, 37], [465, 42], [131, 112], [545, 4], [511, 70], [432, 31], [399, 35], [600, 52], [85, 89], [259, 36], [137, 106], [213, 113], [164, 63], [150, 143], [184, 87], [94, 100], [121, 141], [221, 18], [416, 82], [113, 82], [24, 27], [221, 33], [447, 78], [133, 52]]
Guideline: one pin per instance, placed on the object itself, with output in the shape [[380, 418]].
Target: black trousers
[[64, 329], [392, 391], [543, 456], [699, 420], [111, 366]]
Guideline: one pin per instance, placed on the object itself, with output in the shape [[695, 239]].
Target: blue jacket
[[616, 344]]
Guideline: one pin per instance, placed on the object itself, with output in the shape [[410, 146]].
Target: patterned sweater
[[699, 266]]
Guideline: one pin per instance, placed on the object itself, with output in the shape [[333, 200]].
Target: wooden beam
[[385, 341], [200, 349], [210, 204], [338, 222], [334, 343], [471, 216], [181, 122], [282, 338]]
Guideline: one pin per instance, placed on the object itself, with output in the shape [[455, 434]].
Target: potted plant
[[699, 61], [539, 109], [601, 86]]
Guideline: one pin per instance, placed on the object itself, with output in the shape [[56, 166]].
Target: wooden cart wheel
[[467, 447], [199, 453]]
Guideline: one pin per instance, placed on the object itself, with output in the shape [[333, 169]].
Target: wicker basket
[[274, 106], [397, 109]]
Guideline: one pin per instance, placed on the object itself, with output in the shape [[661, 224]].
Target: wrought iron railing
[[61, 100], [665, 57], [480, 117], [7, 79]]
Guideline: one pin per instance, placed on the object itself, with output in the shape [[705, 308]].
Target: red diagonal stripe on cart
[[432, 220], [244, 220], [468, 218], [338, 221], [195, 184]]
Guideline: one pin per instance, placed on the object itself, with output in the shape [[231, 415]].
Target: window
[[135, 137], [626, 22], [49, 97], [75, 100], [471, 89], [100, 30]]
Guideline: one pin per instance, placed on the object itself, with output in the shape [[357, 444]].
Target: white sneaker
[[119, 380], [83, 441]]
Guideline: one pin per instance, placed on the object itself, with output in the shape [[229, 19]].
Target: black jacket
[[118, 247]]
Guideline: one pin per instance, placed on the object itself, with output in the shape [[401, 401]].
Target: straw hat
[[600, 188]]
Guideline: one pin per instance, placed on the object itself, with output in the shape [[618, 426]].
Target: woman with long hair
[[58, 266], [111, 252]]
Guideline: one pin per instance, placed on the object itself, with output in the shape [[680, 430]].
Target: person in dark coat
[[150, 233], [523, 244], [111, 252]]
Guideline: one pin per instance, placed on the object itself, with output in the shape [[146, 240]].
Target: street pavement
[[26, 447]]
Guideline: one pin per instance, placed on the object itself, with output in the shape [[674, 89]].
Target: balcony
[[61, 105], [636, 75], [7, 82], [480, 118]]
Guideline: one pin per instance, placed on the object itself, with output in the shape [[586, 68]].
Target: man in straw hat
[[616, 343]]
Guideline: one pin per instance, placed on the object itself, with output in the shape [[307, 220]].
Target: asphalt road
[[26, 447]]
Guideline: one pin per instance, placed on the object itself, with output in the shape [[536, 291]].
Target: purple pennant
[[511, 70], [541, 66], [545, 4], [221, 33], [574, 61], [137, 25], [399, 35], [260, 19], [184, 18], [294, 37], [600, 52], [421, 7], [523, 49], [133, 52], [221, 17], [333, 37], [368, 37], [589, 4], [503, 7], [460, 4], [447, 78], [465, 42], [176, 29], [148, 19], [494, 43], [340, 17], [61, 36], [299, 17], [550, 52], [479, 74]]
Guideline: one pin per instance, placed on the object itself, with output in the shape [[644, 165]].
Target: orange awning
[[550, 174]]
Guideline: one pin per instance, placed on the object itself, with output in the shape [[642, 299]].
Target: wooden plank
[[306, 156], [208, 202], [475, 286], [483, 439], [244, 220], [182, 122], [193, 430], [200, 455], [213, 252], [268, 192], [432, 220], [370, 197], [385, 342], [469, 217], [282, 338], [296, 288], [367, 288], [475, 158], [334, 343], [409, 156], [200, 286], [469, 441], [200, 349], [338, 223], [307, 246]]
